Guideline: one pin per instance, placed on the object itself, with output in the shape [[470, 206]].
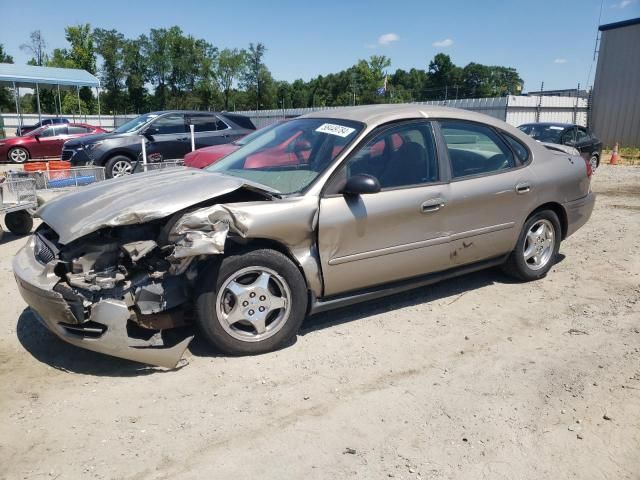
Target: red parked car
[[44, 142], [203, 157]]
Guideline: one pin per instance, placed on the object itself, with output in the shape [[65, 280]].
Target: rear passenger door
[[210, 130], [490, 191], [170, 138]]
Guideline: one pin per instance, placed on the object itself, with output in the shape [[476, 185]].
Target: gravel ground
[[478, 377]]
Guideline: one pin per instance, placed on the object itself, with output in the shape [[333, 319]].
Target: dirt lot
[[473, 378]]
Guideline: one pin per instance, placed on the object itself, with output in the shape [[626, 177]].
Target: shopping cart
[[61, 179], [18, 201]]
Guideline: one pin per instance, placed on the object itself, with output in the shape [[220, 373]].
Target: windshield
[[543, 133], [136, 123], [289, 156]]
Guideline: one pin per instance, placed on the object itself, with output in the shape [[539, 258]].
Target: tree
[[231, 64], [37, 47], [83, 55], [6, 100], [159, 64], [135, 66], [255, 75], [110, 46]]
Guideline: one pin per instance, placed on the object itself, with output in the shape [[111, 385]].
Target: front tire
[[537, 247], [118, 166], [594, 161], [18, 155], [253, 303]]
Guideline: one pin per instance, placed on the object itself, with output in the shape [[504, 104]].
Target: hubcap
[[594, 163], [539, 244], [253, 304], [121, 168], [19, 155]]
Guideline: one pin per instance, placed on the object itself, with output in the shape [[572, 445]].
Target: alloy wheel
[[253, 304], [18, 155], [121, 168], [539, 244]]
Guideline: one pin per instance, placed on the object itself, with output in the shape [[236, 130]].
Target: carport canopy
[[30, 76]]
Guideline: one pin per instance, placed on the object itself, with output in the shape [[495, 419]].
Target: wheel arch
[[118, 153], [559, 211]]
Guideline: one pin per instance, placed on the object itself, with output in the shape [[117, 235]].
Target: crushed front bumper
[[105, 330]]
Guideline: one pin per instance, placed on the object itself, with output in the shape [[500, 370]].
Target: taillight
[[589, 169]]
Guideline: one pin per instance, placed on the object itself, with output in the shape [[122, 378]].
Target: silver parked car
[[376, 199]]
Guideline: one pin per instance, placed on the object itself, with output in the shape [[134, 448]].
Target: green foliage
[[6, 95], [170, 69]]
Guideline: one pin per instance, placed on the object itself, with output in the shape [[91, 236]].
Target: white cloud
[[447, 42], [560, 60], [623, 3], [388, 38]]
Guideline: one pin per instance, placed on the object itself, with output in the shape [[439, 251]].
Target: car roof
[[551, 124], [373, 115]]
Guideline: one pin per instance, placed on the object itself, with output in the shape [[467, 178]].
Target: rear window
[[522, 153]]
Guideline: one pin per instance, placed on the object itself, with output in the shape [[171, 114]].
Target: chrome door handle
[[523, 188], [431, 206]]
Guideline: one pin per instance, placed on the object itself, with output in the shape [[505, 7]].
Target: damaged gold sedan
[[366, 201]]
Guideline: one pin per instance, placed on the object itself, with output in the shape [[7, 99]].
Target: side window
[[46, 132], [518, 147], [204, 123], [568, 137], [582, 135], [173, 123], [77, 130], [474, 149], [398, 157], [60, 130], [220, 125]]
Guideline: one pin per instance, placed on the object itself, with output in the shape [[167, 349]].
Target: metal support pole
[[98, 95], [193, 138], [144, 154], [38, 100], [15, 94], [79, 106]]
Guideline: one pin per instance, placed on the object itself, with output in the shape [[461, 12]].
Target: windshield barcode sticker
[[333, 129]]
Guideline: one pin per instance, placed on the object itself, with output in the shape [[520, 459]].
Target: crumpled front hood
[[135, 199]]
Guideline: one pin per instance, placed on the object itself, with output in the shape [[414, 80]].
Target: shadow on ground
[[49, 349]]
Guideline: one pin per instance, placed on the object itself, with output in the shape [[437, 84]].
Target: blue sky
[[545, 40]]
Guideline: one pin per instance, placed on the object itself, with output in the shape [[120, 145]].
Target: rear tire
[[537, 247], [19, 223], [18, 155], [253, 303], [118, 166], [594, 161]]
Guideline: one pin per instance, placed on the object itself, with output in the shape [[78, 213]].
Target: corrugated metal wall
[[616, 90], [515, 110]]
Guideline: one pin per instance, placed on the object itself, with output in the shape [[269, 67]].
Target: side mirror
[[361, 184], [570, 142]]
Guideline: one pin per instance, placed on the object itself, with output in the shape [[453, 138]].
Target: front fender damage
[[131, 287]]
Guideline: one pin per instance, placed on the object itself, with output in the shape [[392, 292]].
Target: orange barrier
[[35, 166]]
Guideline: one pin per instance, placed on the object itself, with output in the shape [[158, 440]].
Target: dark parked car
[[44, 142], [47, 121], [580, 138], [167, 137]]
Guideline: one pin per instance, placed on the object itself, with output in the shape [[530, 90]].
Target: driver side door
[[397, 233], [170, 138]]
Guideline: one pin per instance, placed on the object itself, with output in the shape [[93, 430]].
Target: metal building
[[616, 91]]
